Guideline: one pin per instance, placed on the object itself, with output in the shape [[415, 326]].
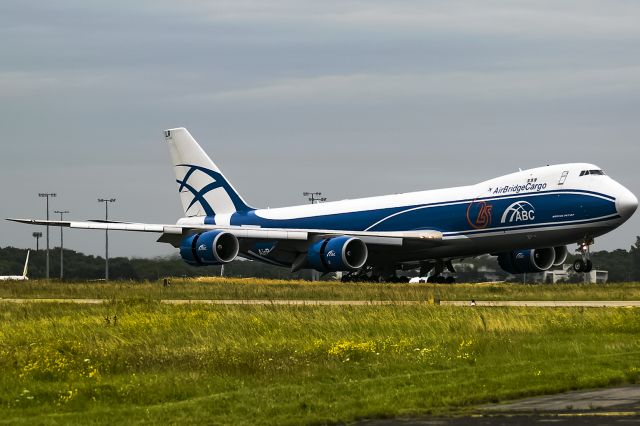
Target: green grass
[[237, 288], [65, 363]]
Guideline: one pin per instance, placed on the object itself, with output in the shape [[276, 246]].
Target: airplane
[[22, 277], [526, 219]]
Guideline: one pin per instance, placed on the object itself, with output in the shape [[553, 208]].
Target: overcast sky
[[351, 98]]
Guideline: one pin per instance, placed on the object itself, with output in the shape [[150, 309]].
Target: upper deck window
[[591, 172]]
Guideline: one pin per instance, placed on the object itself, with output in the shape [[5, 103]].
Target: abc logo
[[520, 211]]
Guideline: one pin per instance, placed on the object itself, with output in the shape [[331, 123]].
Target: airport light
[[106, 202], [314, 196], [47, 195], [61, 244], [37, 236]]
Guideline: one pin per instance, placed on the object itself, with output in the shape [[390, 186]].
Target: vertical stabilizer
[[26, 265], [204, 191]]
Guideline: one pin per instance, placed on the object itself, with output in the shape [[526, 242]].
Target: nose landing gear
[[584, 264]]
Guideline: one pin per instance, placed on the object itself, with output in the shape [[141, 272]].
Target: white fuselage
[[542, 207]]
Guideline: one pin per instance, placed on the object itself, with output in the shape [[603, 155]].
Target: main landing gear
[[584, 264], [438, 268], [360, 277]]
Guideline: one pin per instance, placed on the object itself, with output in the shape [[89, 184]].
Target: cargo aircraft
[[526, 219], [22, 277]]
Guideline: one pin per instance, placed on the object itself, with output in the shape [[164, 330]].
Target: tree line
[[623, 265]]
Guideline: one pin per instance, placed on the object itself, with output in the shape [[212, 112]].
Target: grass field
[[136, 360], [249, 288]]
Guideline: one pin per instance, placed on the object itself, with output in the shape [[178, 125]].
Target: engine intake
[[561, 255], [341, 253], [209, 248], [527, 261]]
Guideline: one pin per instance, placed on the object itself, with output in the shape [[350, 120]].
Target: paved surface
[[533, 303], [613, 406], [578, 400]]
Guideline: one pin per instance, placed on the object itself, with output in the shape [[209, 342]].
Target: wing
[[174, 233]]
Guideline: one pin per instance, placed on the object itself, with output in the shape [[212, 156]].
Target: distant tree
[[622, 265]]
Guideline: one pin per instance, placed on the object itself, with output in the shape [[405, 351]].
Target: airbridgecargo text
[[519, 188]]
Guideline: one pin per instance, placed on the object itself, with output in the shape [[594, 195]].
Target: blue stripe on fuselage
[[457, 216]]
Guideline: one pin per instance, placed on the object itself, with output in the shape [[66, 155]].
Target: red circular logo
[[479, 214]]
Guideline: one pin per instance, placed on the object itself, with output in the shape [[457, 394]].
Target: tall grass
[[251, 288], [145, 361]]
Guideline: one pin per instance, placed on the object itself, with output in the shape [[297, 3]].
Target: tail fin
[[204, 190], [26, 265]]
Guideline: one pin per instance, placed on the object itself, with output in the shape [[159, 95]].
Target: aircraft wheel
[[589, 266], [579, 266], [450, 280]]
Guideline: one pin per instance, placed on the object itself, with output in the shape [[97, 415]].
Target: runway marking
[[298, 302]]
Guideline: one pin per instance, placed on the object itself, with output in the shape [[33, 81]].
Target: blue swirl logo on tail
[[218, 182]]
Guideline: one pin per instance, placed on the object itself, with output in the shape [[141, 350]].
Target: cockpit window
[[591, 172]]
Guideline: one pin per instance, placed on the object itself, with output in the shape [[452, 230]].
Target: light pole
[[47, 195], [37, 236], [61, 244], [106, 202], [314, 197]]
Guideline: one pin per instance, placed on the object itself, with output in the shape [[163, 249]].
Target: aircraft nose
[[626, 204]]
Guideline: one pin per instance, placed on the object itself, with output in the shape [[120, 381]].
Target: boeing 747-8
[[526, 219]]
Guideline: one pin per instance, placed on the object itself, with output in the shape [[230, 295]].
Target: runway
[[298, 302]]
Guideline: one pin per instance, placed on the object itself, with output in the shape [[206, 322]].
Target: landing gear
[[437, 277], [584, 264], [388, 273], [373, 275]]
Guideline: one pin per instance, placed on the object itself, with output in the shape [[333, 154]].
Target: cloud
[[486, 86], [542, 18]]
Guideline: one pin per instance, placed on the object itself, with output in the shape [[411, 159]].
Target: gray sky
[[352, 98]]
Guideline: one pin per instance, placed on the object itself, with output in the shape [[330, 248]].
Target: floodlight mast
[[47, 195], [314, 197], [61, 244], [37, 236], [106, 202]]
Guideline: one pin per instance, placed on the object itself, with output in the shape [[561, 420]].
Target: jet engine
[[209, 248], [529, 261], [561, 255], [341, 253]]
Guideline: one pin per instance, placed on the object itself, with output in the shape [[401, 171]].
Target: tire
[[579, 266], [450, 280], [589, 266]]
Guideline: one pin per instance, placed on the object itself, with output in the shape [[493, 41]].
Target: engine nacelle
[[561, 255], [341, 253], [209, 248], [527, 261]]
